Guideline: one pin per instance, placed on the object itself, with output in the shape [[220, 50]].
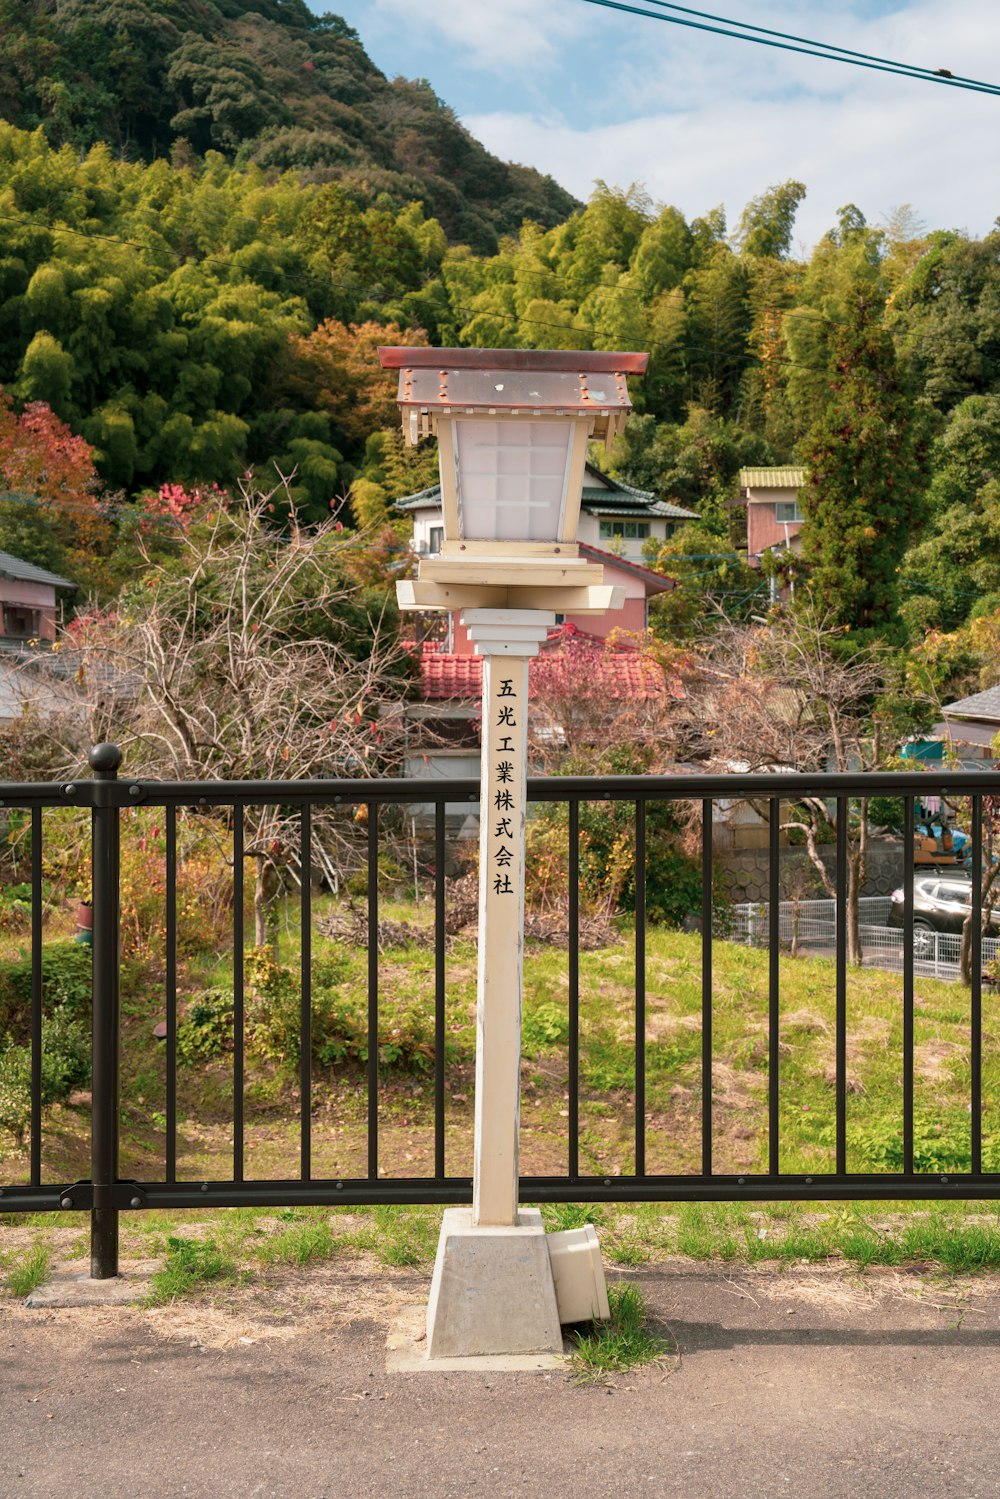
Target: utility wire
[[936, 75], [814, 49]]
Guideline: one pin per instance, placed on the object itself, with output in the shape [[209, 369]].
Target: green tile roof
[[772, 478], [612, 497]]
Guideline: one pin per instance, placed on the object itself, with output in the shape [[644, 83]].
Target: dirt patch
[[660, 1026], [805, 1020], [932, 1059]]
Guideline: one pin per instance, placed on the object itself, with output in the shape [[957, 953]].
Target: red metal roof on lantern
[[512, 383]]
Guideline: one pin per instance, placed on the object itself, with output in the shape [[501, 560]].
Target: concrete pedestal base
[[492, 1291]]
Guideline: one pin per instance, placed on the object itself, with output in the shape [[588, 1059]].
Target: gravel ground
[[799, 1382]]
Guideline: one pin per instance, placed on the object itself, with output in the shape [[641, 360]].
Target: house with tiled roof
[[970, 725], [616, 521], [27, 601], [613, 516], [444, 726], [774, 518]]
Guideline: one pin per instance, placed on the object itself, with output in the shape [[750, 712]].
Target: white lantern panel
[[511, 478]]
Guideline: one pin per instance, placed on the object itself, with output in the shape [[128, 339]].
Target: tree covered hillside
[[212, 213], [266, 83]]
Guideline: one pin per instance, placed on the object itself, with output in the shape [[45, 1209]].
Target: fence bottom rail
[[416, 1191]]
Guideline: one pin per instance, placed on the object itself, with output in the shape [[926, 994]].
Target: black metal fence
[[106, 1194]]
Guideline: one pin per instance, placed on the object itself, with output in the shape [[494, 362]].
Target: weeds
[[25, 1276], [299, 1244], [190, 1263], [623, 1342]]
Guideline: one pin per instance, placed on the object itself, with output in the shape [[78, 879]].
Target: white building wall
[[629, 547]]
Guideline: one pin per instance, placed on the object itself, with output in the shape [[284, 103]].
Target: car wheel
[[923, 939]]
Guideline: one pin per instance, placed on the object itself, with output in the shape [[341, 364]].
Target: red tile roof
[[625, 674], [654, 582]]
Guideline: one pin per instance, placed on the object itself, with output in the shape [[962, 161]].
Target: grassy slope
[[865, 1232]]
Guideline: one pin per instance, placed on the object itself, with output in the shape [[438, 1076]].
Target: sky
[[586, 92]]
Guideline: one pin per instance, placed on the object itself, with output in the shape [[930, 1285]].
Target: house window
[[436, 542], [786, 511], [632, 530], [21, 623]]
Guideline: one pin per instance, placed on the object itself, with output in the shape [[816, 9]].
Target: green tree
[[955, 569], [766, 226], [866, 489]]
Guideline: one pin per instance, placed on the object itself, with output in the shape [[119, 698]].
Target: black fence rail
[[105, 1194]]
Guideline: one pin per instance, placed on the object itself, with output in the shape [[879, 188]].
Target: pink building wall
[[763, 530], [632, 617], [30, 596]]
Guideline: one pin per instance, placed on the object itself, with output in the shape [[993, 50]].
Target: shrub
[[66, 984], [272, 1011], [207, 1027], [65, 1066], [607, 860], [542, 1027], [941, 1144], [204, 884], [15, 908], [391, 876]]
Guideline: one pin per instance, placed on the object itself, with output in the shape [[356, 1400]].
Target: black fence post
[[104, 761]]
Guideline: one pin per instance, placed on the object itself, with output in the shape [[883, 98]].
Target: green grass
[[300, 1243], [24, 1273], [625, 1341], [958, 1237], [190, 1264]]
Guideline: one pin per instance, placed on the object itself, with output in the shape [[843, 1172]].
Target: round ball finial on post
[[105, 758]]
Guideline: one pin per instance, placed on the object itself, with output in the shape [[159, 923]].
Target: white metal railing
[[811, 925]]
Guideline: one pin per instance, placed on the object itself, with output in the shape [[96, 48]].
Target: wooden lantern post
[[513, 428]]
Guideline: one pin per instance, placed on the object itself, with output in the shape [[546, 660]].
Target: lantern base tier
[[513, 570], [415, 593], [493, 1290]]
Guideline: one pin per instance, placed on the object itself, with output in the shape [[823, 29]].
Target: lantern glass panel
[[511, 478]]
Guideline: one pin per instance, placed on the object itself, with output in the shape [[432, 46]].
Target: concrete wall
[[745, 872]]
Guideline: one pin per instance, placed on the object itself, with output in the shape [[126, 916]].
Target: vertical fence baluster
[[36, 996], [573, 978], [640, 987], [908, 837], [706, 987], [372, 989], [106, 865], [170, 823], [440, 939], [976, 997], [238, 993], [843, 813], [773, 1001], [305, 1002]]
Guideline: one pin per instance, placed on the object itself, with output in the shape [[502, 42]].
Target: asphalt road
[[803, 1382]]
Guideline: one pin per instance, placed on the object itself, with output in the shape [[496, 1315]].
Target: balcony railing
[[711, 1176]]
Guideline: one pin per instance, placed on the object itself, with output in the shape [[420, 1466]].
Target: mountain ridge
[[266, 83]]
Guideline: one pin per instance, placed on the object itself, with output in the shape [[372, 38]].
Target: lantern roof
[[512, 382]]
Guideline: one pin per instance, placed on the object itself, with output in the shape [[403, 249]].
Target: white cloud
[[855, 151], [513, 36], [701, 124], [584, 92]]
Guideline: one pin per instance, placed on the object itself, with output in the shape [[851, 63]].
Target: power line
[[812, 49], [936, 75]]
